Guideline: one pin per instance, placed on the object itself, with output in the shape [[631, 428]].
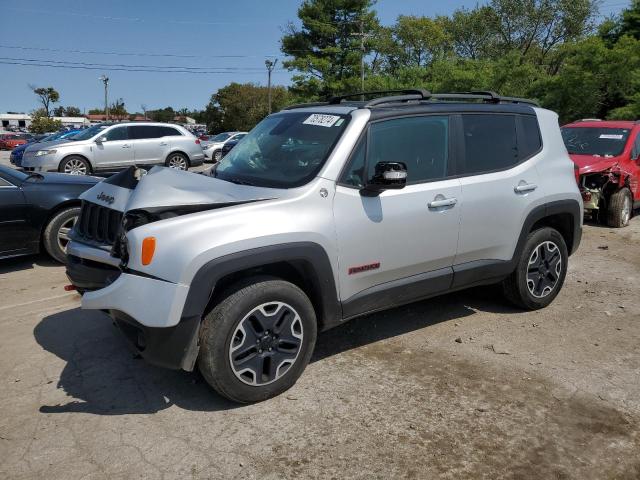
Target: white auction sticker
[[321, 120], [608, 136]]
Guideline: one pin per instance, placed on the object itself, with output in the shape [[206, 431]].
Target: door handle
[[163, 144], [444, 202], [126, 145], [525, 187]]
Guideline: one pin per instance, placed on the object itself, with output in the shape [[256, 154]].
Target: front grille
[[98, 224]]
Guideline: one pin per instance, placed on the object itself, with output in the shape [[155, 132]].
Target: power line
[[132, 54], [110, 65], [83, 67]]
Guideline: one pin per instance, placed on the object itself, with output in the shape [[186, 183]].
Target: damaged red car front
[[607, 158]]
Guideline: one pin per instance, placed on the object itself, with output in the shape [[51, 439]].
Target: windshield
[[602, 142], [88, 133], [283, 151], [221, 137]]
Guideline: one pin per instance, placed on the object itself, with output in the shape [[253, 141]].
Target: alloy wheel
[[217, 155], [75, 166], [544, 269], [63, 233], [266, 343], [178, 162]]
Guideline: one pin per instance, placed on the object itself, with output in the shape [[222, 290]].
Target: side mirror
[[387, 176], [99, 140]]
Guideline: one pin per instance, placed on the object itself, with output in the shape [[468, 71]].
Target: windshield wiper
[[237, 181]]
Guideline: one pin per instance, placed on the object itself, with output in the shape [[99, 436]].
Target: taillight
[[576, 172], [197, 141]]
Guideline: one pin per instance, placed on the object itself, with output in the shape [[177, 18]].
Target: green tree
[[59, 111], [241, 106], [73, 112], [43, 123], [47, 96], [166, 114], [325, 52], [118, 111]]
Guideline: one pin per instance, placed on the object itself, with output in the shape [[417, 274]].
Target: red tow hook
[[69, 288]]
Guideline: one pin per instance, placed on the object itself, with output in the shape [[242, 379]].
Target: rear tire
[[541, 270], [620, 208], [177, 161], [217, 155], [257, 340], [75, 165], [56, 233]]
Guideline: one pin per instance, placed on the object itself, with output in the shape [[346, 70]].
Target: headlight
[[39, 153]]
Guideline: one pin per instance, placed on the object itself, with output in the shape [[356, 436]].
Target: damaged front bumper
[[147, 310]]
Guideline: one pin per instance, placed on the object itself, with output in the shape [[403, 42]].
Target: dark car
[[18, 152], [38, 210], [226, 148]]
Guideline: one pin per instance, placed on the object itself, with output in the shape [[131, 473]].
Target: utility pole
[[363, 36], [270, 64], [105, 80]]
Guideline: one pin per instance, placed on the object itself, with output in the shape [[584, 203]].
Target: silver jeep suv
[[324, 213], [118, 146]]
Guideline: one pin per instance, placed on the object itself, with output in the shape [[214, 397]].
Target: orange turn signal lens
[[148, 249]]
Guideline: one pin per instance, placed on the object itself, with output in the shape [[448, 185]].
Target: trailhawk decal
[[364, 268]]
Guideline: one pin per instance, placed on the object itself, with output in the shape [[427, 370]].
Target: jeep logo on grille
[[105, 198]]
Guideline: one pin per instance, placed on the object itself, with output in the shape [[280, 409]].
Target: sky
[[229, 40]]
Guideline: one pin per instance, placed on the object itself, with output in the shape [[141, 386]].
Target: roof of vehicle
[[414, 101], [594, 123], [152, 124]]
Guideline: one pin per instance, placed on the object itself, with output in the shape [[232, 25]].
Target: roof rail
[[415, 92], [486, 96]]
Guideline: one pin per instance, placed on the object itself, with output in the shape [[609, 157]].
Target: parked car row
[[214, 146], [111, 147]]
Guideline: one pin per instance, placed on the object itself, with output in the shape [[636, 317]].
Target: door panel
[[494, 204], [394, 235], [116, 151], [151, 150], [16, 235]]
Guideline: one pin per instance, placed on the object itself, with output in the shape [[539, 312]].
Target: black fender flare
[[308, 257]]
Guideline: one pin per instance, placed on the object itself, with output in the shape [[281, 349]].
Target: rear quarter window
[[531, 141]]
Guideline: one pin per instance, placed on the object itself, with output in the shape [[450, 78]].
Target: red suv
[[607, 156], [9, 141]]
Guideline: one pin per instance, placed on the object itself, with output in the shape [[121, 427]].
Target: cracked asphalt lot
[[520, 395]]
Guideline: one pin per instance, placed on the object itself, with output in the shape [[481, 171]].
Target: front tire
[[619, 209], [257, 340], [56, 234], [541, 270], [177, 161], [75, 165]]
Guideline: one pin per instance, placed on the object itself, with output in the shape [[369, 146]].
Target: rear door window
[[530, 141], [490, 143], [142, 132]]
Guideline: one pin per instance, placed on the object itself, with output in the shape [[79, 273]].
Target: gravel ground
[[458, 387]]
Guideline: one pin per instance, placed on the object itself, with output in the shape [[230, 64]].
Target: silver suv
[[114, 147], [213, 147], [321, 214]]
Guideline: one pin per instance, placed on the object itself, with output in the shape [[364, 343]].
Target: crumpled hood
[[165, 187], [591, 163]]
